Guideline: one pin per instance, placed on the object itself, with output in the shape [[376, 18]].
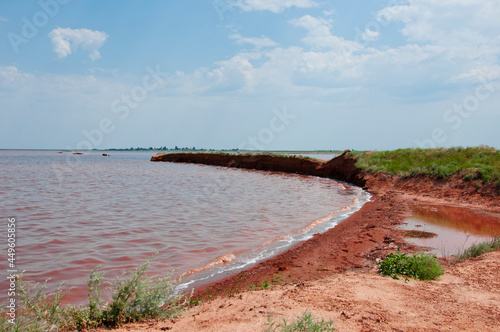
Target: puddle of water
[[456, 228]]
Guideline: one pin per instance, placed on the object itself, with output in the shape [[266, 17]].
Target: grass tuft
[[303, 323], [478, 249], [420, 266]]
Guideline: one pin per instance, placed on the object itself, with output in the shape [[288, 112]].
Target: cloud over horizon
[[393, 70]]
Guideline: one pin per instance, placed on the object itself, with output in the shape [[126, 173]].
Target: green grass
[[303, 323], [257, 153], [480, 248], [135, 297], [476, 163], [272, 154], [420, 266]]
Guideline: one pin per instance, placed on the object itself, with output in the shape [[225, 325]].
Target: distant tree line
[[164, 148]]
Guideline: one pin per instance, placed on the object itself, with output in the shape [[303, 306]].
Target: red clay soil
[[466, 298], [340, 168], [358, 241], [354, 245]]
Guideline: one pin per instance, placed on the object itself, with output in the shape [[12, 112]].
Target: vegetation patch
[[305, 322], [475, 163], [419, 234], [135, 297], [478, 249], [276, 279], [420, 266], [256, 153]]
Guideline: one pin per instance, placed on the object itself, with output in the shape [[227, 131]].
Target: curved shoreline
[[334, 275], [340, 168], [202, 277], [356, 242]]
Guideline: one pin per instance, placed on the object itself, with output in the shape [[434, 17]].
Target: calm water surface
[[456, 228], [74, 212]]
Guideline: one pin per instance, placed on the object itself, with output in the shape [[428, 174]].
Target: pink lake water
[[74, 212]]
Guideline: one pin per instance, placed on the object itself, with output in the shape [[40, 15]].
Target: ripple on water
[[74, 214]]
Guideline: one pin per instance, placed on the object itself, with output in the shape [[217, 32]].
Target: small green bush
[[135, 297], [421, 266], [478, 249], [302, 323], [36, 310]]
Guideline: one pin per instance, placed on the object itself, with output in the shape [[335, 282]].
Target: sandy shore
[[466, 298], [333, 275]]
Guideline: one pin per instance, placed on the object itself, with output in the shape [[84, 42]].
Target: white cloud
[[255, 41], [66, 41], [3, 19], [319, 35], [447, 45], [11, 77], [61, 86], [312, 23], [467, 32], [275, 6], [370, 35], [235, 74], [446, 21]]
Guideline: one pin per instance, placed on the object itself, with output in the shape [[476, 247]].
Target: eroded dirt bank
[[340, 168], [333, 274], [454, 190]]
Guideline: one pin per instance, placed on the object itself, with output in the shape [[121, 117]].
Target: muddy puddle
[[449, 230]]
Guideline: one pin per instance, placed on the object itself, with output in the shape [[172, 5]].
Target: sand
[[334, 275], [466, 298]]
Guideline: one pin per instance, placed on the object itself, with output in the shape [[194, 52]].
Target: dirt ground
[[466, 298], [334, 275]]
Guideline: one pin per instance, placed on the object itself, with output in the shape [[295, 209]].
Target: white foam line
[[260, 254]]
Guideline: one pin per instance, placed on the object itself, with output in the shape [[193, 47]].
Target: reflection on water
[[456, 228]]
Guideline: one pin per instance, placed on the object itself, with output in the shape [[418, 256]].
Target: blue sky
[[253, 74]]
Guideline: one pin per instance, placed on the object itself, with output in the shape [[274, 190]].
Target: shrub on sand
[[135, 297], [420, 266], [478, 249], [303, 323]]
